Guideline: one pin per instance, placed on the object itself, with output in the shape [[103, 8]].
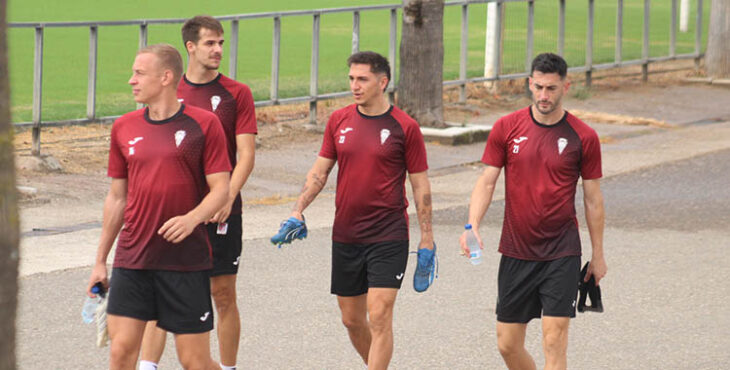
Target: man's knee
[[508, 347], [224, 296], [381, 317], [354, 321], [555, 342], [123, 352]]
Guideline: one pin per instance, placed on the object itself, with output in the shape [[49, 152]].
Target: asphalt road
[[666, 242]]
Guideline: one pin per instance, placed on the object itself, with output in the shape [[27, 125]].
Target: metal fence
[[314, 93]]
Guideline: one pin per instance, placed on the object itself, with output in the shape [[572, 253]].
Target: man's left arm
[[595, 218], [422, 196], [246, 150]]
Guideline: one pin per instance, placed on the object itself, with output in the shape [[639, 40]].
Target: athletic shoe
[[589, 289], [426, 269], [290, 229]]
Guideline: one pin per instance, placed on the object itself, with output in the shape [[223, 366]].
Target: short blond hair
[[169, 58]]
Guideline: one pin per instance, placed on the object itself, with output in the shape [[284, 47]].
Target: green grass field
[[66, 49]]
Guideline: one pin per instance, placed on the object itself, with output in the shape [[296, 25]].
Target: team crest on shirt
[[562, 143], [214, 101], [384, 133], [132, 142], [179, 137]]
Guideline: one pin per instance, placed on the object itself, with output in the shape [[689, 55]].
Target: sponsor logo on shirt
[[562, 143], [214, 101], [343, 132], [179, 137], [384, 133], [516, 148], [132, 142], [521, 139]]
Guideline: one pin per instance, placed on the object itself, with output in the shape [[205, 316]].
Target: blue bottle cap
[[96, 289], [467, 226]]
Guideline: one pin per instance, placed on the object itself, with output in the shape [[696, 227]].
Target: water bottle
[[475, 252], [88, 312]]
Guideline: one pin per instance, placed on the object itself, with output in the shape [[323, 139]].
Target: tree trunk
[[420, 90], [717, 58], [9, 229]]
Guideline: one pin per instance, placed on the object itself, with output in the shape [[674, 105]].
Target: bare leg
[[555, 342], [380, 310], [511, 343], [354, 317], [153, 343], [193, 351], [223, 289], [126, 337]]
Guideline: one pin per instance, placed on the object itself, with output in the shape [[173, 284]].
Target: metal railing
[[314, 93]]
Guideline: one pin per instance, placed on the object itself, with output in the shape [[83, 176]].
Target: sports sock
[[147, 365], [224, 367]]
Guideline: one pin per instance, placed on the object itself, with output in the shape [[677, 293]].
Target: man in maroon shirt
[[204, 87], [162, 161], [544, 150], [374, 144]]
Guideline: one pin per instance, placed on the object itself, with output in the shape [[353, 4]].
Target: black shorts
[[178, 300], [357, 267], [527, 289], [226, 244]]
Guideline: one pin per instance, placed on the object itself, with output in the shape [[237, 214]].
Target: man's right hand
[[292, 228], [462, 242], [98, 274]]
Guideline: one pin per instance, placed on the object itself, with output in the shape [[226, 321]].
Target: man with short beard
[[545, 151]]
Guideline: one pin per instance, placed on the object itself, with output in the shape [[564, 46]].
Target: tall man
[[162, 161], [544, 151], [204, 87], [375, 145]]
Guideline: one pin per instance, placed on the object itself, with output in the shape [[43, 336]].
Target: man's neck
[[163, 108], [198, 74], [377, 107], [548, 119]]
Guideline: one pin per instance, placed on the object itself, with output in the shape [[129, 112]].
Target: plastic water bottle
[[88, 312], [475, 252]]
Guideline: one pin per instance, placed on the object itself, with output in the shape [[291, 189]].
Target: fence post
[[355, 32], [142, 43], [314, 70], [233, 51], [530, 42], [645, 46], [673, 31], [619, 33], [391, 53], [561, 28], [275, 53], [698, 35], [464, 49], [37, 91], [497, 56], [93, 57], [589, 42]]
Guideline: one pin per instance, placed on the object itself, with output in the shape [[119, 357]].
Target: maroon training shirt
[[542, 166], [165, 163], [373, 155], [232, 102]]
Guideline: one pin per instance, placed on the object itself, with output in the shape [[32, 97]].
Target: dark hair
[[550, 63], [377, 62], [191, 28]]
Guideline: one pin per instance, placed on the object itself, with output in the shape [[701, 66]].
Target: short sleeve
[[416, 160], [246, 117], [494, 152], [328, 149], [215, 157], [590, 167], [117, 167]]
